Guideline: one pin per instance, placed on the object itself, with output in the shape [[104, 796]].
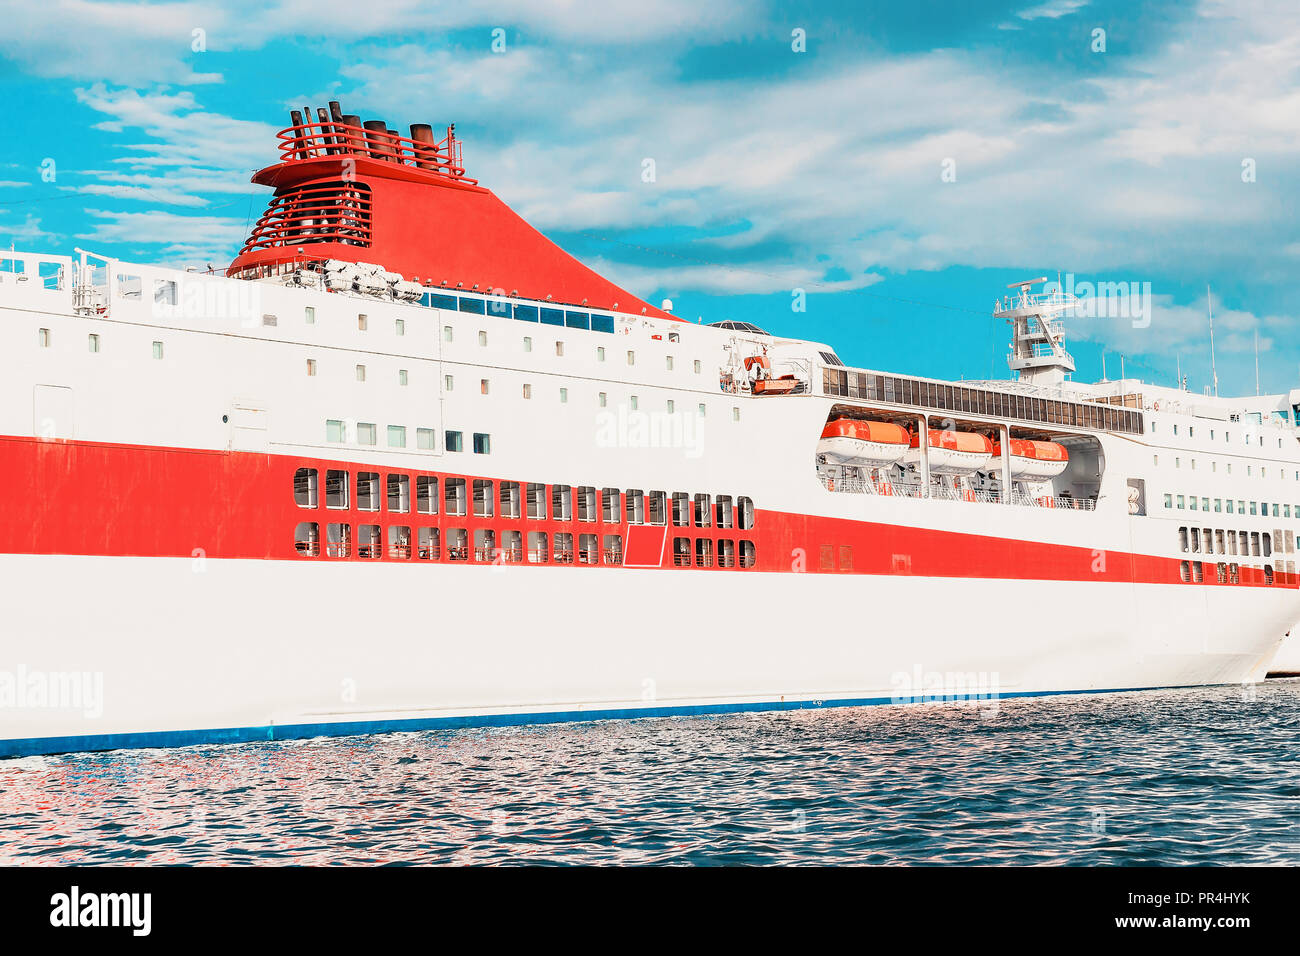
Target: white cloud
[[1052, 10]]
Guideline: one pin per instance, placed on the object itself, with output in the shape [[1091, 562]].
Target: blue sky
[[820, 170]]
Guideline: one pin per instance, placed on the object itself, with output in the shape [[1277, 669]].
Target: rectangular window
[[563, 550], [399, 493], [482, 338], [399, 541], [846, 558], [457, 544], [681, 509], [306, 538], [94, 342], [745, 507], [362, 322], [528, 343], [43, 338], [631, 357], [668, 359], [552, 317], [723, 513], [588, 549], [613, 548], [425, 440], [703, 553], [270, 320], [526, 313], [528, 390], [396, 436], [634, 506], [510, 499], [726, 553], [564, 395], [657, 507], [338, 540], [535, 499], [561, 502], [748, 554], [483, 498], [538, 550], [367, 433], [600, 353], [681, 552], [447, 334], [400, 326], [309, 314], [455, 441], [482, 444], [483, 386], [157, 350], [367, 491], [361, 373], [336, 489], [311, 367], [402, 378], [586, 503], [454, 496], [485, 545], [426, 495], [448, 383], [306, 488], [512, 546], [602, 399], [702, 511], [609, 512]]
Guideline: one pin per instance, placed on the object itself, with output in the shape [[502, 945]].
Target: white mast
[[1214, 375]]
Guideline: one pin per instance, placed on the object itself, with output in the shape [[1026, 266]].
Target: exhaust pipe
[[295, 120], [426, 150], [325, 126], [354, 141], [377, 138]]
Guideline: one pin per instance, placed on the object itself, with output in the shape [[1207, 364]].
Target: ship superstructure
[[408, 464]]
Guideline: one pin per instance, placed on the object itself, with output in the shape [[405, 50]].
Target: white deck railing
[[862, 486]]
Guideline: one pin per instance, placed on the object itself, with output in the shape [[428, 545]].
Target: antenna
[[1214, 375], [1180, 371], [1103, 366], [1121, 368]]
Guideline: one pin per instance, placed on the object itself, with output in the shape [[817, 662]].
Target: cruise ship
[[407, 464]]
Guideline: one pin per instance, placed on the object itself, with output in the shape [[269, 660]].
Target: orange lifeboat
[[952, 452], [1034, 460], [868, 444]]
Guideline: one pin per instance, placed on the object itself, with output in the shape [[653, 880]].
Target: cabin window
[[681, 509], [846, 558], [427, 546], [1184, 571], [425, 440], [658, 507], [512, 546], [528, 390], [564, 396], [1254, 544], [702, 410], [400, 326], [724, 515], [609, 505], [614, 549], [586, 503], [361, 373], [309, 315], [1221, 573], [1198, 573], [702, 511], [336, 489], [563, 552], [399, 493], [362, 323], [668, 361], [1268, 574], [632, 402], [93, 341], [745, 509], [482, 338], [561, 503], [631, 357], [402, 378], [455, 441], [1232, 543], [602, 399], [396, 436], [528, 343], [367, 433], [682, 552], [157, 350], [510, 499], [447, 333], [338, 540], [1267, 542], [672, 406], [537, 548], [735, 413], [1196, 540], [367, 491], [426, 495], [1219, 546], [311, 368], [43, 338], [485, 545], [588, 549], [483, 498], [453, 498], [483, 386], [827, 558], [448, 383], [600, 353], [457, 544], [726, 553], [559, 348], [482, 444], [697, 369], [1183, 540], [399, 541], [634, 506], [306, 539], [306, 487], [748, 554], [703, 553], [535, 499]]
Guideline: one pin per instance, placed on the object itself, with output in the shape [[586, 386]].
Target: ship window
[[457, 544], [748, 554], [338, 540], [367, 491], [1191, 502], [588, 549], [528, 390], [564, 395], [402, 377], [672, 406], [538, 552], [577, 320], [552, 317], [483, 498], [632, 402], [563, 552], [1268, 574], [634, 506], [164, 292], [702, 511], [426, 495], [309, 314], [1221, 572], [1254, 544], [447, 334], [631, 357], [399, 493], [613, 549], [427, 547], [702, 410], [311, 367], [726, 553], [1169, 501], [735, 414], [1230, 506], [745, 507], [93, 342], [559, 348], [528, 343], [306, 539], [512, 546], [535, 499], [436, 301], [697, 366], [703, 553], [361, 373], [455, 441], [1196, 540], [723, 512], [472, 305], [454, 496], [482, 444], [1266, 541], [1219, 544], [1290, 542], [601, 399], [561, 503], [526, 313], [448, 383], [827, 558], [157, 350], [396, 436], [1184, 571], [362, 322], [1243, 543], [658, 508], [586, 503], [682, 552], [1198, 574], [1234, 572], [485, 545], [1231, 538], [668, 360], [1218, 505], [482, 338], [399, 541], [600, 353], [306, 486], [609, 505], [43, 338], [602, 323], [400, 326], [1205, 504], [336, 489], [1183, 540], [425, 440], [1181, 501], [681, 509], [846, 558], [367, 433]]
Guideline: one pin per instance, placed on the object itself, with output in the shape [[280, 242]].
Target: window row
[[369, 490], [426, 439], [1194, 572], [481, 545], [1245, 543], [1226, 506]]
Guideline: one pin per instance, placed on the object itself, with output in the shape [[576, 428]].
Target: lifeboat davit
[[849, 441], [1034, 460], [952, 453]]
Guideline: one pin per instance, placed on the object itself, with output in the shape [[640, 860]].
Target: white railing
[[860, 486]]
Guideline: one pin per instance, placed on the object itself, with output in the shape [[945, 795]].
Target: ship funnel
[[354, 139], [426, 150], [377, 138]]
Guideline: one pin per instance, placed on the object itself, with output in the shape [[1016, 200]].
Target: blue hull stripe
[[31, 746]]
